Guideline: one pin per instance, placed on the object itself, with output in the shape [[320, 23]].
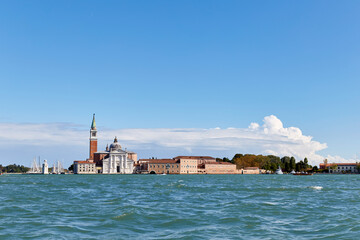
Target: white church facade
[[114, 160]]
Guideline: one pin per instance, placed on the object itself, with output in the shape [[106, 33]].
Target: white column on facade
[[121, 164], [114, 165], [118, 163], [124, 164], [110, 163]]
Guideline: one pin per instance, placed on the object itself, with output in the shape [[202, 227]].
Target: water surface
[[179, 207]]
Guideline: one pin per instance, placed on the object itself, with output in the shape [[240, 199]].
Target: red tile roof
[[194, 157], [339, 164], [163, 161], [223, 163], [84, 162]]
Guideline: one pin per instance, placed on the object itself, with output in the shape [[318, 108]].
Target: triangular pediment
[[118, 151]]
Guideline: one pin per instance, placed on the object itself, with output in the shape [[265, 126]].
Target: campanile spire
[[93, 124], [93, 139]]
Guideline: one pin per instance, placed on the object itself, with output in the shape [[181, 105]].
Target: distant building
[[114, 160], [161, 166], [217, 168], [84, 167], [199, 159], [250, 170], [168, 166], [185, 165], [340, 167]]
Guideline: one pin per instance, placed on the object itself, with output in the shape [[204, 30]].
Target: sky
[[180, 78]]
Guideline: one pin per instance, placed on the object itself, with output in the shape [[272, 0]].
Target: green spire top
[[93, 124]]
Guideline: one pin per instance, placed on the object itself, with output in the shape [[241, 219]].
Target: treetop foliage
[[270, 162], [13, 168]]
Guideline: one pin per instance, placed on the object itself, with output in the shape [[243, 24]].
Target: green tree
[[333, 167], [286, 163], [13, 168], [225, 159], [287, 167], [292, 163], [300, 166], [358, 167], [71, 168], [306, 162]]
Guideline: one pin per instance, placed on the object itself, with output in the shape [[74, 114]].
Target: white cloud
[[254, 126], [338, 159], [269, 138]]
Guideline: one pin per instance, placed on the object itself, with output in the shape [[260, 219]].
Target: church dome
[[115, 145]]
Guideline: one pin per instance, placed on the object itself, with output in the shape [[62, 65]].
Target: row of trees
[[13, 168], [269, 162]]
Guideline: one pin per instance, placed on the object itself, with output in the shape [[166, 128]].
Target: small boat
[[163, 174], [292, 172], [278, 171]]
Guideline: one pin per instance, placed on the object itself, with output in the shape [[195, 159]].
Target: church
[[113, 160]]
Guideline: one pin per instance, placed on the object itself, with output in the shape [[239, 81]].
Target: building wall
[[188, 166], [93, 149], [160, 168], [250, 171], [220, 169], [98, 157], [117, 163], [346, 169], [341, 167], [208, 160], [132, 156], [84, 168], [200, 159]]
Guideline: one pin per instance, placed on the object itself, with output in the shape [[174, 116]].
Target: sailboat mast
[[39, 166]]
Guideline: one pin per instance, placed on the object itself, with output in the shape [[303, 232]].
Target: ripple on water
[[171, 207]]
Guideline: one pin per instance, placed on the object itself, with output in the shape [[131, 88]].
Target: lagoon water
[[179, 207]]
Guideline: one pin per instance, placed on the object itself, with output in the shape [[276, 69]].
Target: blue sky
[[181, 64]]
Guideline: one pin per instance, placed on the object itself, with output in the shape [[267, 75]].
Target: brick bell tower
[[93, 139]]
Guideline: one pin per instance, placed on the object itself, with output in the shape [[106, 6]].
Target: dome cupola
[[115, 145]]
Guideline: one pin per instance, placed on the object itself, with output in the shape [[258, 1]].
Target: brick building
[[185, 165], [84, 167], [161, 166], [217, 168], [341, 167], [114, 160]]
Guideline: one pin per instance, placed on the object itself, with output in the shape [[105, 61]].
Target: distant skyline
[[188, 66]]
